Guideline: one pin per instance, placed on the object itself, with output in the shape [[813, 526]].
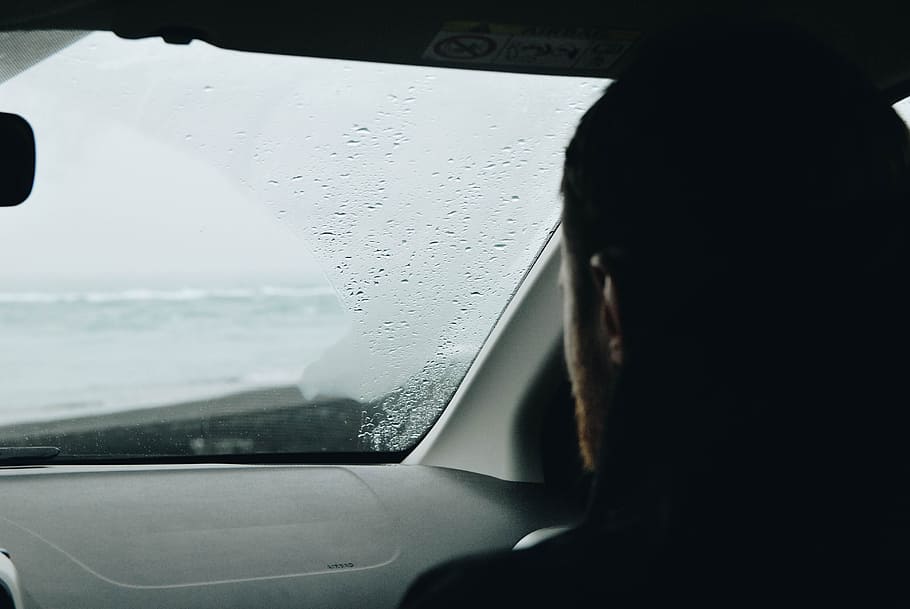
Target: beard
[[593, 377]]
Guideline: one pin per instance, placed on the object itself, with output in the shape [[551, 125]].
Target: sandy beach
[[275, 419]]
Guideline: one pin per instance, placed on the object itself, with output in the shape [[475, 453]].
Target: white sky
[[118, 194]]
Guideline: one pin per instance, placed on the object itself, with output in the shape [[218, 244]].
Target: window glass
[[232, 252]]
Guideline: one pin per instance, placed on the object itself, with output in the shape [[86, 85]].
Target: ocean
[[94, 349]]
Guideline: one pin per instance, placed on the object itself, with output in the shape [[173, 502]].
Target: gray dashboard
[[270, 536]]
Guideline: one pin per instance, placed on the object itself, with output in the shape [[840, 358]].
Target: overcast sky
[[421, 195], [189, 162], [119, 192]]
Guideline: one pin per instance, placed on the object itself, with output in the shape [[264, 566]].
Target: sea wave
[[175, 295]]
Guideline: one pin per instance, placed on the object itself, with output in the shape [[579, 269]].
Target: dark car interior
[[338, 529]]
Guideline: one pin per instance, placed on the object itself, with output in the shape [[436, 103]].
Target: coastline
[[266, 420]]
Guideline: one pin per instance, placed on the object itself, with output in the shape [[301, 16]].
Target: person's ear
[[609, 306]]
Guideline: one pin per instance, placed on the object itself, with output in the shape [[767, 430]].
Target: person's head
[[734, 213]]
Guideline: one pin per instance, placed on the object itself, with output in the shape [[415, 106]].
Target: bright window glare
[[237, 252], [903, 109]]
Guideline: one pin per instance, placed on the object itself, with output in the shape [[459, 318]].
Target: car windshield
[[230, 252]]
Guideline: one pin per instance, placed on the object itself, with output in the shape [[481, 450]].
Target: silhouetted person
[[735, 232]]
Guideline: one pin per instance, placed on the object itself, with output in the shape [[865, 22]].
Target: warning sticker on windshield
[[569, 49]]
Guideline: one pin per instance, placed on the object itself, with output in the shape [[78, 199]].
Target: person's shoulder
[[547, 575]]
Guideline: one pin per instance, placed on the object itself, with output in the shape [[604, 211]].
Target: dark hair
[[749, 190], [749, 147]]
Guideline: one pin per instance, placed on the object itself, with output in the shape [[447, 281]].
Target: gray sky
[[118, 192]]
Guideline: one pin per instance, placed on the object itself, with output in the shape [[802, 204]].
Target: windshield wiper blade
[[28, 453]]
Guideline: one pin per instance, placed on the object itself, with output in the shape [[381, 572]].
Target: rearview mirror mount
[[17, 159]]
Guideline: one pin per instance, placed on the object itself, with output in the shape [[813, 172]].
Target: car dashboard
[[197, 536]]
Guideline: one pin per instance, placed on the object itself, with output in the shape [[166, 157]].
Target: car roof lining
[[873, 36]]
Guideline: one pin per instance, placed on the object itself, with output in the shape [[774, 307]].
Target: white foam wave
[[178, 295]]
